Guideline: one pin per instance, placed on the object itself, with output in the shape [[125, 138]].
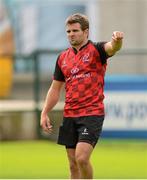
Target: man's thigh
[[89, 129], [83, 151], [68, 135]]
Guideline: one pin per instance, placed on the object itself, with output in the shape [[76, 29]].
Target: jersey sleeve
[[58, 74], [103, 55]]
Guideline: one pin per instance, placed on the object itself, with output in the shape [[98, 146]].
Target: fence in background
[[30, 84]]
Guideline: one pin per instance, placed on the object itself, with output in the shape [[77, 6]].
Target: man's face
[[75, 34]]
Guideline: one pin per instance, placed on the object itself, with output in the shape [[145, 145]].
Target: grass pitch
[[112, 159]]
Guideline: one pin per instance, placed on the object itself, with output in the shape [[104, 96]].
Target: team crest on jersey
[[85, 58]]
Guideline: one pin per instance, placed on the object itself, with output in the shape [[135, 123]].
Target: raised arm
[[115, 44], [50, 101]]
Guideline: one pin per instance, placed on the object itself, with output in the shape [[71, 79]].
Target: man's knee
[[81, 160], [73, 166], [83, 153]]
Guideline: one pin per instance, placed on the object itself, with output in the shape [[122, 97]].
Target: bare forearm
[[52, 97], [50, 101], [115, 44]]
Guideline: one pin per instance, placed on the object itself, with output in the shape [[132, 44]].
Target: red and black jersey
[[83, 73]]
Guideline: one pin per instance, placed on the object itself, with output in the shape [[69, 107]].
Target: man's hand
[[117, 35], [45, 123], [115, 44]]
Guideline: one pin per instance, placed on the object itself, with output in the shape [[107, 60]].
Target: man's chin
[[73, 43]]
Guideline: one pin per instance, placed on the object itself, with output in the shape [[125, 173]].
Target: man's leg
[[82, 155], [74, 170]]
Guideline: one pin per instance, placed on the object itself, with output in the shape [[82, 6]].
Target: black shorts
[[80, 129]]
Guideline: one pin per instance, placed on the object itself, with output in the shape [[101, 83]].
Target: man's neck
[[81, 45]]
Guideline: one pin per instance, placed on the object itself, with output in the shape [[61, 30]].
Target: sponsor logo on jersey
[[75, 70]]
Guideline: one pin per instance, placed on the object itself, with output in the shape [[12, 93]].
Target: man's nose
[[71, 33]]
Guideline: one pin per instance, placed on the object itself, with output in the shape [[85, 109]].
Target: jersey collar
[[75, 50]]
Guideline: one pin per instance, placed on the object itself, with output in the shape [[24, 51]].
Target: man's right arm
[[50, 101]]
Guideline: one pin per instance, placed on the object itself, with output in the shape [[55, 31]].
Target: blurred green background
[[112, 159]]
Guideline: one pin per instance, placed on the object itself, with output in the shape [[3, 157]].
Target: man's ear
[[87, 32]]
